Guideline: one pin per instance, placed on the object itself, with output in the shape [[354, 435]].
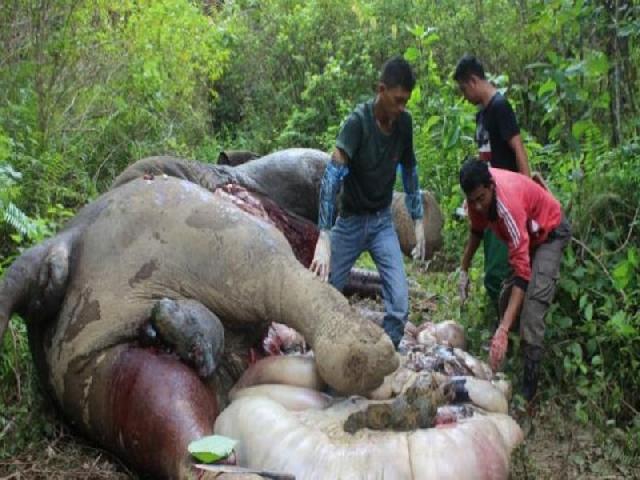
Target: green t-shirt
[[373, 159]]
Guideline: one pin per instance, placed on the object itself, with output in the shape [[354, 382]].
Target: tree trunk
[[613, 51]]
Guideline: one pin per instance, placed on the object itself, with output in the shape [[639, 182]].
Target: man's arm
[[470, 249], [518, 245], [413, 201], [521, 155], [331, 180], [510, 132], [513, 308], [500, 340]]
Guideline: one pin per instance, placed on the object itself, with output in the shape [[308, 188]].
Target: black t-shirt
[[373, 159], [496, 124]]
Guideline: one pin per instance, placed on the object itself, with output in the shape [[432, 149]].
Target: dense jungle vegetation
[[88, 87]]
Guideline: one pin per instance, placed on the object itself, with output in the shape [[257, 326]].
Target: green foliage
[[601, 282], [19, 401], [14, 223], [91, 86]]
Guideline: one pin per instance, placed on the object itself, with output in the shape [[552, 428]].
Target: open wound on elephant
[[301, 234]]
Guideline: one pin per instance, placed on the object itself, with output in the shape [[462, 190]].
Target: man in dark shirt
[[499, 143], [375, 138]]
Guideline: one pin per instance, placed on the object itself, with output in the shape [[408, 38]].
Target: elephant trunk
[[352, 354], [18, 282]]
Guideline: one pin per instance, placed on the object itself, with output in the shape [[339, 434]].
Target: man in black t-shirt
[[499, 143], [374, 140]]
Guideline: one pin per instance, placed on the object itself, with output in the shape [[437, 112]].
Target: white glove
[[419, 251], [322, 256], [463, 286]]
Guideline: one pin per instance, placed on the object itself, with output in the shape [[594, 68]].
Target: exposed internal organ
[[301, 234]]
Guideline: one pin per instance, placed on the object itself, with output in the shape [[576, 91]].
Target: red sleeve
[[517, 236]]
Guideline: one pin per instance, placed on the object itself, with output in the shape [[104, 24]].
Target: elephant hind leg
[[145, 406]]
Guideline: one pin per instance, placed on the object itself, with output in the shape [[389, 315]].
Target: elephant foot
[[145, 406], [366, 283], [190, 330]]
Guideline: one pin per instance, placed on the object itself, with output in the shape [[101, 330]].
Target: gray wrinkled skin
[[192, 331], [292, 179]]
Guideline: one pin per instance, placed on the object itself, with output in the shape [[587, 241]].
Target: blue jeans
[[376, 234]]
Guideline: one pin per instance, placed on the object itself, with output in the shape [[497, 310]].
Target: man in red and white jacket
[[530, 221]]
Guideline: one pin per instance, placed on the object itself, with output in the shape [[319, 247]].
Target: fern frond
[[17, 219]]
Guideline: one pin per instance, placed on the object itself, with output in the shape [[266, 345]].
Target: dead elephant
[[236, 157], [170, 245], [290, 178]]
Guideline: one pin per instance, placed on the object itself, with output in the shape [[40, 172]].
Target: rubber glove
[[499, 344], [322, 256], [463, 286], [419, 251]]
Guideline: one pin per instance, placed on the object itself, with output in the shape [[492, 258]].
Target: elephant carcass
[[433, 223], [236, 157], [291, 178], [165, 238]]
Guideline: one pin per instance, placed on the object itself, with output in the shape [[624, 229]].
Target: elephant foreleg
[[366, 283]]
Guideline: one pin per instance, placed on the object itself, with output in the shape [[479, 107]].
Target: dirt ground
[[556, 447]]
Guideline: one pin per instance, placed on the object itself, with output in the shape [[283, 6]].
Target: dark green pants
[[545, 270], [496, 264]]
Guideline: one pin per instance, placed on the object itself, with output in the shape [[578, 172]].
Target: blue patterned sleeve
[[413, 198], [331, 181]]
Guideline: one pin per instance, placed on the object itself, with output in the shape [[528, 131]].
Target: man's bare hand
[[322, 256], [463, 286], [498, 350]]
